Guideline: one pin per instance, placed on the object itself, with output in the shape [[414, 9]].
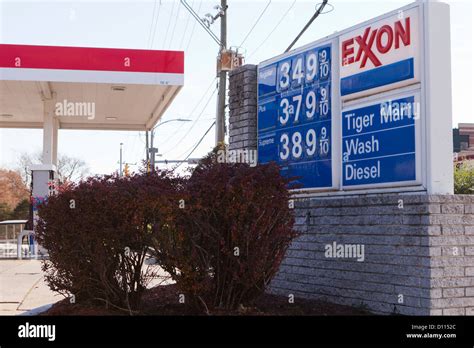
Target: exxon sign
[[380, 56]]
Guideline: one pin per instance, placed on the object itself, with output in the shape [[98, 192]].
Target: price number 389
[[304, 145]]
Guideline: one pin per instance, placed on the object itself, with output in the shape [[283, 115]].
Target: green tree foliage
[[21, 211], [5, 212], [464, 179]]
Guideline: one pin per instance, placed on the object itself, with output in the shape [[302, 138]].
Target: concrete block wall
[[418, 253], [418, 248]]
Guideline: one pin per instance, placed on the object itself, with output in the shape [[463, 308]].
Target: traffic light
[[126, 170]]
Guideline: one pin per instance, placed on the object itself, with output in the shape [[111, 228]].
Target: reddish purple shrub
[[98, 233], [230, 237]]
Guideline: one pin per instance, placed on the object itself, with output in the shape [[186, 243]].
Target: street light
[[121, 144], [172, 120], [152, 150]]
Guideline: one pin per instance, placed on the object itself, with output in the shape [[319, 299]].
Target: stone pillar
[[243, 108]]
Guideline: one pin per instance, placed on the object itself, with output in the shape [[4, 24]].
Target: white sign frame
[[433, 83]]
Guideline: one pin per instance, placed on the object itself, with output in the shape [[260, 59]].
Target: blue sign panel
[[379, 143], [385, 75], [294, 117]]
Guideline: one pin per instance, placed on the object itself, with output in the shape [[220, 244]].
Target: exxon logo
[[373, 42]]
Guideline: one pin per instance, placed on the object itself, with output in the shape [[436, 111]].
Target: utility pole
[[227, 60], [220, 122]]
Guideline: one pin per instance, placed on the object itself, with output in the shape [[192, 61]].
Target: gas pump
[[43, 178]]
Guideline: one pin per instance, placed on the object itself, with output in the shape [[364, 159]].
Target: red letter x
[[366, 47]]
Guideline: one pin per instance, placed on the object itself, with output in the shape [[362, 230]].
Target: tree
[[126, 170], [21, 211], [4, 212], [464, 179], [12, 188], [226, 241], [68, 169], [71, 169]]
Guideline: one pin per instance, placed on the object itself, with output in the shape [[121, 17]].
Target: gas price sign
[[367, 108], [295, 116]]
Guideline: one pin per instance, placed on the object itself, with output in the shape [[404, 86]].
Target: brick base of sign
[[410, 254], [418, 253]]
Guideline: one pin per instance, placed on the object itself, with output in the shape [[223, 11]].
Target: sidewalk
[[22, 287]]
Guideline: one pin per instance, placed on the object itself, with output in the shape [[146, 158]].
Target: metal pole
[[121, 173], [220, 122], [151, 151], [147, 148], [152, 154]]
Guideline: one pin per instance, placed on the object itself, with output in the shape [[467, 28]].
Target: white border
[[91, 76]]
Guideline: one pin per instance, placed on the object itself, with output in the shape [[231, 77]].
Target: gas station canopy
[[128, 89]]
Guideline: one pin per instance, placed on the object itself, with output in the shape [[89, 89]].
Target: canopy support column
[[55, 141], [50, 132]]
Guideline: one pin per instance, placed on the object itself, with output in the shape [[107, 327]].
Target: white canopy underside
[[137, 107]]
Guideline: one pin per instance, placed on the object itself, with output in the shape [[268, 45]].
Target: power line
[[152, 23], [316, 14], [194, 27], [204, 24], [273, 30], [256, 22], [199, 116], [192, 112], [195, 147], [195, 121], [174, 27], [200, 140], [156, 25], [186, 27], [169, 24]]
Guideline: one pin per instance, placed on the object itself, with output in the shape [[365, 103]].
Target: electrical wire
[[256, 22], [156, 25], [194, 27], [195, 147], [152, 23], [169, 25], [174, 27], [195, 121], [319, 10], [192, 112], [186, 27], [201, 22], [273, 30]]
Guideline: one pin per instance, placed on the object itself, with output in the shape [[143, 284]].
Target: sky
[[131, 24]]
